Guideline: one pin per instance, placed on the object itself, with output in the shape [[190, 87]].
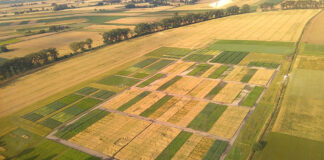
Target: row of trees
[[81, 46], [302, 4], [19, 65], [116, 35], [266, 6], [3, 48]]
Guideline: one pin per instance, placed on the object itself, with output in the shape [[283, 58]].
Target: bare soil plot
[[229, 92], [314, 30], [262, 76]]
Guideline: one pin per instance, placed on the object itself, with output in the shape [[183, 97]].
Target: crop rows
[[169, 52], [229, 57], [263, 64], [119, 81], [137, 66], [86, 91], [200, 69], [152, 68], [198, 57]]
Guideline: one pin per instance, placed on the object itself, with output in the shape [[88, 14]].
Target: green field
[[81, 124], [216, 150], [207, 117], [156, 106], [253, 96], [119, 81], [86, 91], [150, 80], [263, 64], [284, 48], [103, 94], [169, 83], [229, 57], [215, 90], [199, 69], [169, 52], [152, 68], [312, 49], [137, 66], [198, 57], [218, 72], [133, 101], [246, 78]]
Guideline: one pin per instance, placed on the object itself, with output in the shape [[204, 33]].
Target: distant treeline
[[302, 4]]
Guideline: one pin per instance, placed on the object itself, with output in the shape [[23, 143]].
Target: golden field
[[183, 86], [204, 88], [178, 67], [229, 92], [262, 76]]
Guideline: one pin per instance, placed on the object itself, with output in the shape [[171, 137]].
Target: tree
[[74, 46], [232, 10], [245, 8], [89, 42], [130, 5], [4, 48]]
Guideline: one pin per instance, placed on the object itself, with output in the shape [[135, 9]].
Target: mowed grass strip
[[169, 83], [133, 101], [86, 90], [174, 146], [218, 72], [156, 106], [119, 81], [253, 96], [263, 64], [246, 78], [169, 52], [207, 117], [216, 150], [198, 57], [151, 80], [200, 69], [229, 57], [152, 68], [137, 66], [211, 94], [103, 94], [81, 124], [52, 107]]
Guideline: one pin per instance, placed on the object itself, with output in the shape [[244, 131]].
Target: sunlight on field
[[220, 3]]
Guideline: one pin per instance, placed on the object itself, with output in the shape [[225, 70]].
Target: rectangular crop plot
[[52, 107], [218, 72], [264, 64], [103, 94], [143, 104], [213, 92], [203, 88], [207, 117], [229, 57], [137, 66], [169, 83], [183, 86], [133, 101], [86, 90], [262, 76], [119, 81], [248, 75], [169, 52], [178, 67], [229, 122], [151, 80], [198, 57], [156, 106], [253, 96], [121, 98], [199, 70], [237, 74], [152, 68], [229, 92]]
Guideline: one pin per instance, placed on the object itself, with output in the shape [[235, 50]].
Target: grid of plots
[[176, 107]]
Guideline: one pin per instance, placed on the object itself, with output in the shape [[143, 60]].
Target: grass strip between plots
[[216, 150], [81, 124], [169, 83], [156, 106], [218, 72], [215, 90], [150, 80], [253, 96], [133, 101], [200, 69], [248, 75], [174, 146], [207, 117]]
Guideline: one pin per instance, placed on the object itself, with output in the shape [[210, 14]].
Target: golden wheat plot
[[122, 98], [229, 92], [178, 67], [187, 147], [170, 103], [187, 113], [150, 143], [145, 103], [203, 88], [110, 134], [156, 84], [201, 149], [184, 85], [237, 74], [262, 76], [173, 109], [229, 122], [211, 70]]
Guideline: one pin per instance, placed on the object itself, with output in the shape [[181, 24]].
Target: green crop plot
[[152, 79], [86, 90], [216, 150], [198, 57], [263, 64], [174, 146], [246, 78], [73, 154], [133, 101], [215, 90], [104, 94], [312, 49], [169, 83], [253, 96], [156, 106], [152, 68], [137, 66], [218, 72], [16, 141], [81, 124], [207, 117], [5, 24], [169, 52], [119, 81], [199, 69], [229, 57], [23, 22], [52, 107], [51, 123]]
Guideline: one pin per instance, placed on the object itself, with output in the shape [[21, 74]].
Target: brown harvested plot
[[314, 31], [178, 67], [229, 122], [122, 98], [184, 85], [204, 88], [155, 85], [262, 76], [210, 70], [237, 74], [135, 20], [149, 144], [229, 92], [110, 134], [145, 103]]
